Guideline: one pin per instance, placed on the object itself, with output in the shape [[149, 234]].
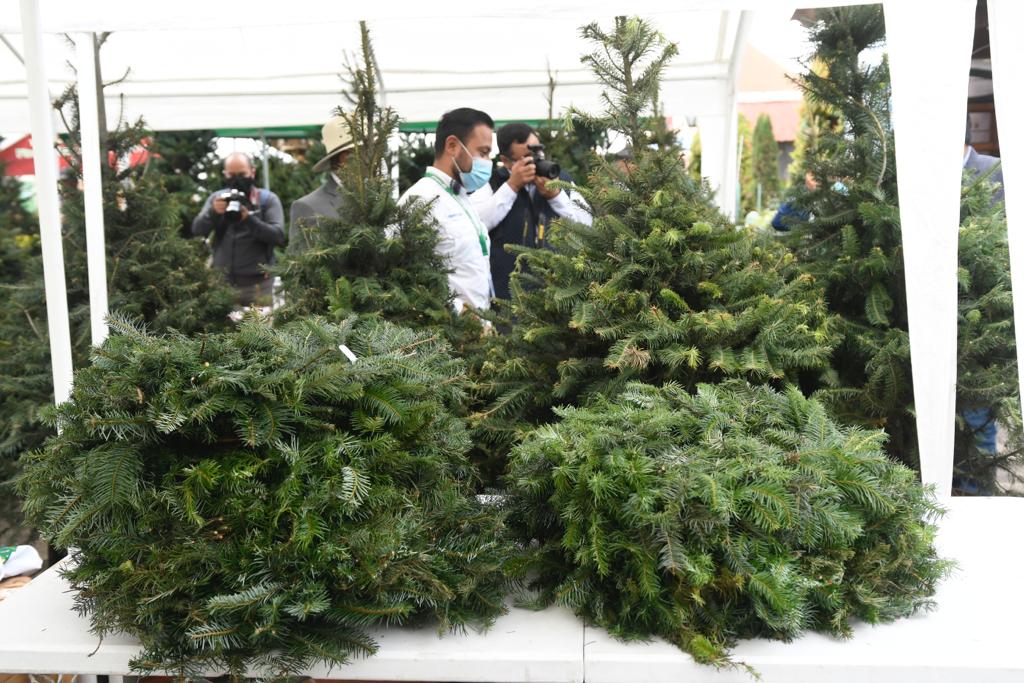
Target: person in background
[[517, 205], [980, 418], [462, 164], [245, 224], [325, 200], [976, 164]]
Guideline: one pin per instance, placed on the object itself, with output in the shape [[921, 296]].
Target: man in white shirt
[[462, 164], [517, 206]]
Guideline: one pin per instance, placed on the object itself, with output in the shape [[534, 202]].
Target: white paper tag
[[348, 353]]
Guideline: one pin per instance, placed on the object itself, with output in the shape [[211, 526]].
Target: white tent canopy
[[195, 66], [266, 63]]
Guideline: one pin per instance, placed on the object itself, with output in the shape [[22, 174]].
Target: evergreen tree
[[987, 389], [153, 274], [188, 166], [660, 288], [851, 243], [853, 246], [260, 498], [574, 145], [728, 513], [748, 184], [414, 155], [816, 117], [375, 256], [765, 161]]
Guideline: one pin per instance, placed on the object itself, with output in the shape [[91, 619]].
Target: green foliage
[[765, 161], [375, 256], [256, 499], [748, 185], [986, 349], [732, 512], [189, 169], [816, 117], [574, 145], [660, 288], [852, 245], [153, 274], [414, 155], [629, 69]]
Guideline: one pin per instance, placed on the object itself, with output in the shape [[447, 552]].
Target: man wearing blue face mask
[[462, 164]]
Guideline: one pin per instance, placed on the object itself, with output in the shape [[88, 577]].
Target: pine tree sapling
[[257, 499], [986, 388], [850, 241], [732, 512], [375, 256], [853, 246], [153, 274], [660, 288]]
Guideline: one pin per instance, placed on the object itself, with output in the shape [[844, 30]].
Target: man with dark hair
[[517, 205], [462, 164], [324, 201], [245, 231]]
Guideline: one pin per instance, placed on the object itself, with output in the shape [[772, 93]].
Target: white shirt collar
[[438, 172], [967, 154], [335, 178]]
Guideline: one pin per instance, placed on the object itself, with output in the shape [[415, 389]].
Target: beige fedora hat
[[337, 138]]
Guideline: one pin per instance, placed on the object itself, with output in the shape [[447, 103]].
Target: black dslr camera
[[544, 168], [236, 199]]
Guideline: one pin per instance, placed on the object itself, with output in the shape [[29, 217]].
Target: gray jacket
[[243, 249], [979, 163], [323, 202]]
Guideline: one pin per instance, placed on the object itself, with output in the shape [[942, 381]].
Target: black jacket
[[243, 249], [520, 226]]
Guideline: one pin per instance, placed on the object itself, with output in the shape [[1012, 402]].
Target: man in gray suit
[[981, 163], [324, 201]]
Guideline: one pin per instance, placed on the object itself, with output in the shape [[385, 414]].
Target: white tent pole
[[929, 93], [45, 158], [1007, 64], [92, 179], [730, 186], [266, 160]]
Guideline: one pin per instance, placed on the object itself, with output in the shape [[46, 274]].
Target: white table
[[973, 636]]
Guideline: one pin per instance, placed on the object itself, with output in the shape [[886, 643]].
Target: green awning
[[314, 131]]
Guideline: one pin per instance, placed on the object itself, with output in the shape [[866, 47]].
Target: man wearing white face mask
[[462, 164]]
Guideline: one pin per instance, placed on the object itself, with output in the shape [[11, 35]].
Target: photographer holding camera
[[517, 205], [247, 223]]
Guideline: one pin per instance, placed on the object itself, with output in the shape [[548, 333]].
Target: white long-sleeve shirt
[[464, 241], [494, 205]]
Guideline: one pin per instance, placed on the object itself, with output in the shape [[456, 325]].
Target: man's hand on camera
[[541, 184], [245, 213], [219, 205], [522, 173]]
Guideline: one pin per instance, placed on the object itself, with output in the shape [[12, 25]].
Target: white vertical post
[[92, 179], [266, 160], [729, 193], [1007, 65], [929, 92], [714, 149], [45, 159]]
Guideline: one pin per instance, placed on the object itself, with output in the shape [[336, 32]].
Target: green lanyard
[[480, 232]]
